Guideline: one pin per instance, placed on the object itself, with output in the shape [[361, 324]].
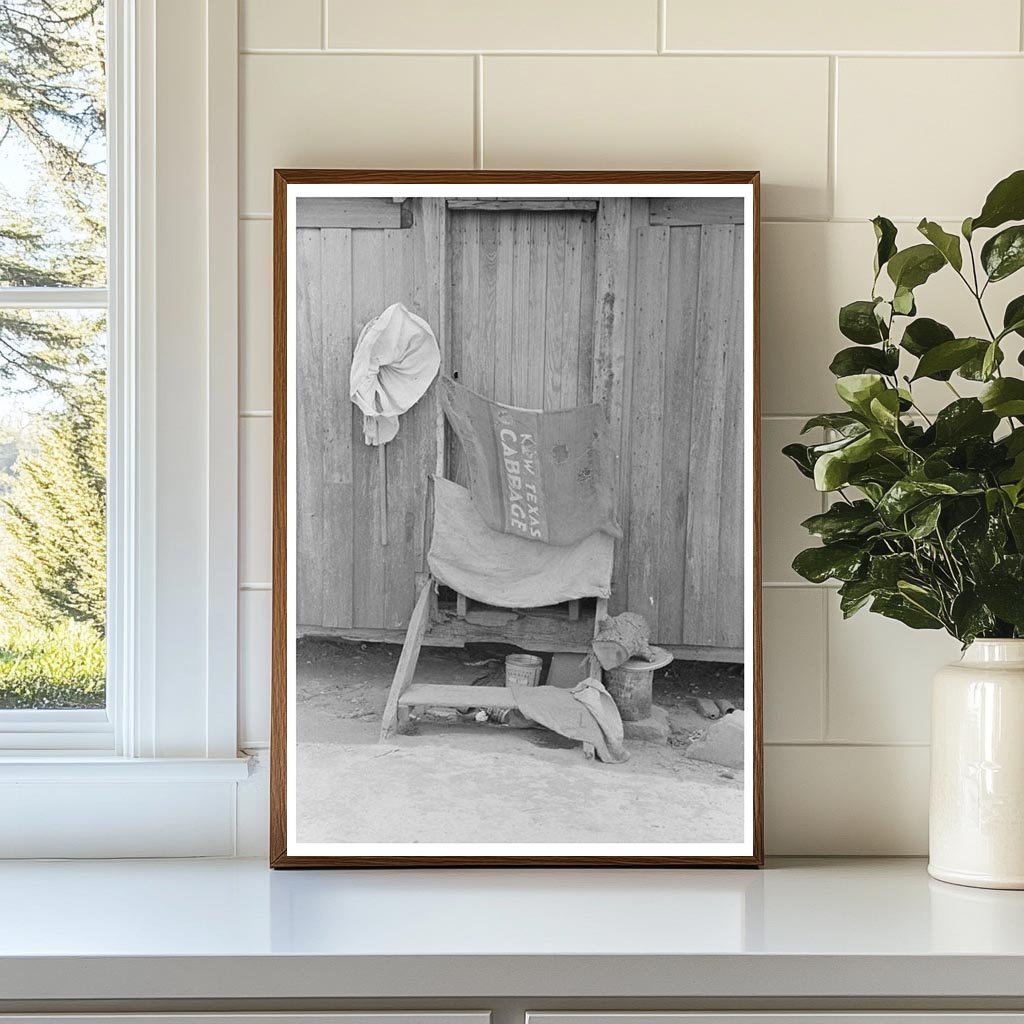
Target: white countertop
[[234, 929]]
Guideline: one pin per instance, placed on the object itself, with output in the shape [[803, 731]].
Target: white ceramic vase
[[976, 817]]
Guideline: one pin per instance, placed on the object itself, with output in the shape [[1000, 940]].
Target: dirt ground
[[453, 779]]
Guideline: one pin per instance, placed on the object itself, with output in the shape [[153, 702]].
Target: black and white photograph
[[515, 490]]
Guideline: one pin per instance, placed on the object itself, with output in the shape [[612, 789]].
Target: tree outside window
[[53, 202]]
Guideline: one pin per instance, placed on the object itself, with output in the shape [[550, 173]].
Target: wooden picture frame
[[675, 201]]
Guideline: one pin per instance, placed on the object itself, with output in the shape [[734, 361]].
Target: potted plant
[[926, 524]]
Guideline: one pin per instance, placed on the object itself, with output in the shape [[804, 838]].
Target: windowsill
[[79, 766], [235, 930]]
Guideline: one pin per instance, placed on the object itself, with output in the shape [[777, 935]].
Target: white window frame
[[171, 718], [60, 730]]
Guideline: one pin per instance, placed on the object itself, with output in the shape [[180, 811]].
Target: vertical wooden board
[[473, 359], [680, 346], [309, 428], [537, 324], [504, 317], [732, 589], [454, 254], [707, 438], [487, 302], [571, 312], [425, 418], [367, 562], [618, 220], [554, 324], [336, 454], [520, 311], [611, 275], [585, 356], [646, 414], [402, 472]]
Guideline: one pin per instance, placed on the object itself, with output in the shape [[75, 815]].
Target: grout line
[[831, 171], [253, 586], [478, 111], [663, 26], [255, 414], [339, 51], [823, 682], [828, 585], [854, 744], [369, 51], [255, 216], [323, 24]]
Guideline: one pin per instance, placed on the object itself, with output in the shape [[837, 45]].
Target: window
[[53, 370], [153, 760]]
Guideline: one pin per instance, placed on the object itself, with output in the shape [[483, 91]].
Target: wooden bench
[[406, 694]]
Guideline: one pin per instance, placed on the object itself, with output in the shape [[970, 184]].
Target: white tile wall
[[701, 113], [910, 109]]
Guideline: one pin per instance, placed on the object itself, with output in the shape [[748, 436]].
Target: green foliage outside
[[52, 365], [59, 667], [927, 525]]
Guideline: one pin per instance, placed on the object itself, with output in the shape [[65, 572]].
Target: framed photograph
[[516, 572]]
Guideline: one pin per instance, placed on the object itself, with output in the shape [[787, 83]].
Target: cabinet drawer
[[355, 1017], [852, 1017]]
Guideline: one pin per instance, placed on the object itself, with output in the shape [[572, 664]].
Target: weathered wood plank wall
[[345, 277], [520, 300], [543, 309]]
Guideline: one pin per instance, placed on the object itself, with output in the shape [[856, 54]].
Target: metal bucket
[[522, 669], [630, 686]]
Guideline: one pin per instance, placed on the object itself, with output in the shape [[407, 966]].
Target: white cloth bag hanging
[[395, 360]]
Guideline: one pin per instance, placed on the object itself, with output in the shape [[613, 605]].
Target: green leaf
[[854, 594], [885, 409], [849, 361], [966, 417], [965, 229], [843, 521], [925, 518], [1003, 254], [1013, 317], [906, 494], [970, 616], [974, 368], [903, 302], [799, 455], [1004, 397], [841, 561], [1006, 599], [947, 244], [857, 321], [858, 389], [950, 355], [990, 360], [912, 267], [1005, 202], [831, 471], [924, 334], [887, 570], [841, 421], [885, 238], [899, 608]]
